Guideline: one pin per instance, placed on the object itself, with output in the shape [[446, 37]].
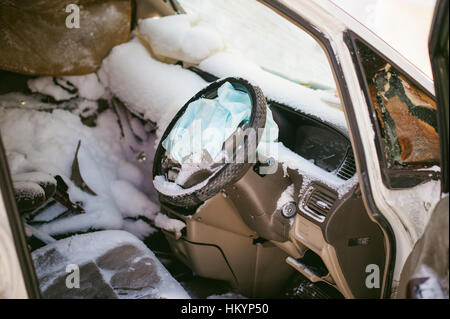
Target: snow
[[87, 86], [309, 171], [181, 37], [188, 169], [172, 189], [130, 173], [28, 190], [131, 201], [148, 87], [289, 159], [433, 168], [46, 142], [138, 227], [275, 88], [79, 250], [45, 85], [286, 196], [169, 224], [34, 177]]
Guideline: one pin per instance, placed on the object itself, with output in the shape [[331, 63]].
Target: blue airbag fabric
[[207, 124]]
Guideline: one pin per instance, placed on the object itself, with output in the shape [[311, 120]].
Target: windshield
[[268, 39]]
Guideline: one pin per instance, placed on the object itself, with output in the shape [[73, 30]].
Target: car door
[[399, 191], [17, 276], [425, 274]]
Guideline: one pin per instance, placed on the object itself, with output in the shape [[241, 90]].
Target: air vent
[[319, 202], [348, 168]]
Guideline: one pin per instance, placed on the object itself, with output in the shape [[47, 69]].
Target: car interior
[[300, 231]]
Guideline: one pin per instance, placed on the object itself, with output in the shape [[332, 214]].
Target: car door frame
[[411, 278], [334, 29], [438, 34], [19, 270]]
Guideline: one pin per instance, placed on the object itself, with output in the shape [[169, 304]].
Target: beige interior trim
[[306, 234]]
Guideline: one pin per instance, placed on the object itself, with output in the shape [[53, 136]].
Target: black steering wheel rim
[[229, 173]]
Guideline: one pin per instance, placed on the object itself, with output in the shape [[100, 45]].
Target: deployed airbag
[[208, 123]]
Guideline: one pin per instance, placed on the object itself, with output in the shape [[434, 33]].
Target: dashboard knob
[[289, 210]]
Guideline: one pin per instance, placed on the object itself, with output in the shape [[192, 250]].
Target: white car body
[[394, 205]]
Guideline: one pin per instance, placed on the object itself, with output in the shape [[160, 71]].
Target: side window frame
[[393, 178]]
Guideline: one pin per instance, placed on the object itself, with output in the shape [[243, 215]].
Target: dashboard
[[311, 139]]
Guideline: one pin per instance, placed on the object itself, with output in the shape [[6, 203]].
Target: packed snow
[[46, 142], [181, 37], [35, 177], [68, 87], [152, 89], [45, 85], [311, 172], [170, 224], [131, 201]]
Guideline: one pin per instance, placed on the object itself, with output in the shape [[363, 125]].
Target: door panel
[[426, 271]]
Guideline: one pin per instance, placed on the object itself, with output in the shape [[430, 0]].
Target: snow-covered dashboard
[[307, 132], [311, 139]]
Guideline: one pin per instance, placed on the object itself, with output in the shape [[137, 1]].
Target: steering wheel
[[228, 173]]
